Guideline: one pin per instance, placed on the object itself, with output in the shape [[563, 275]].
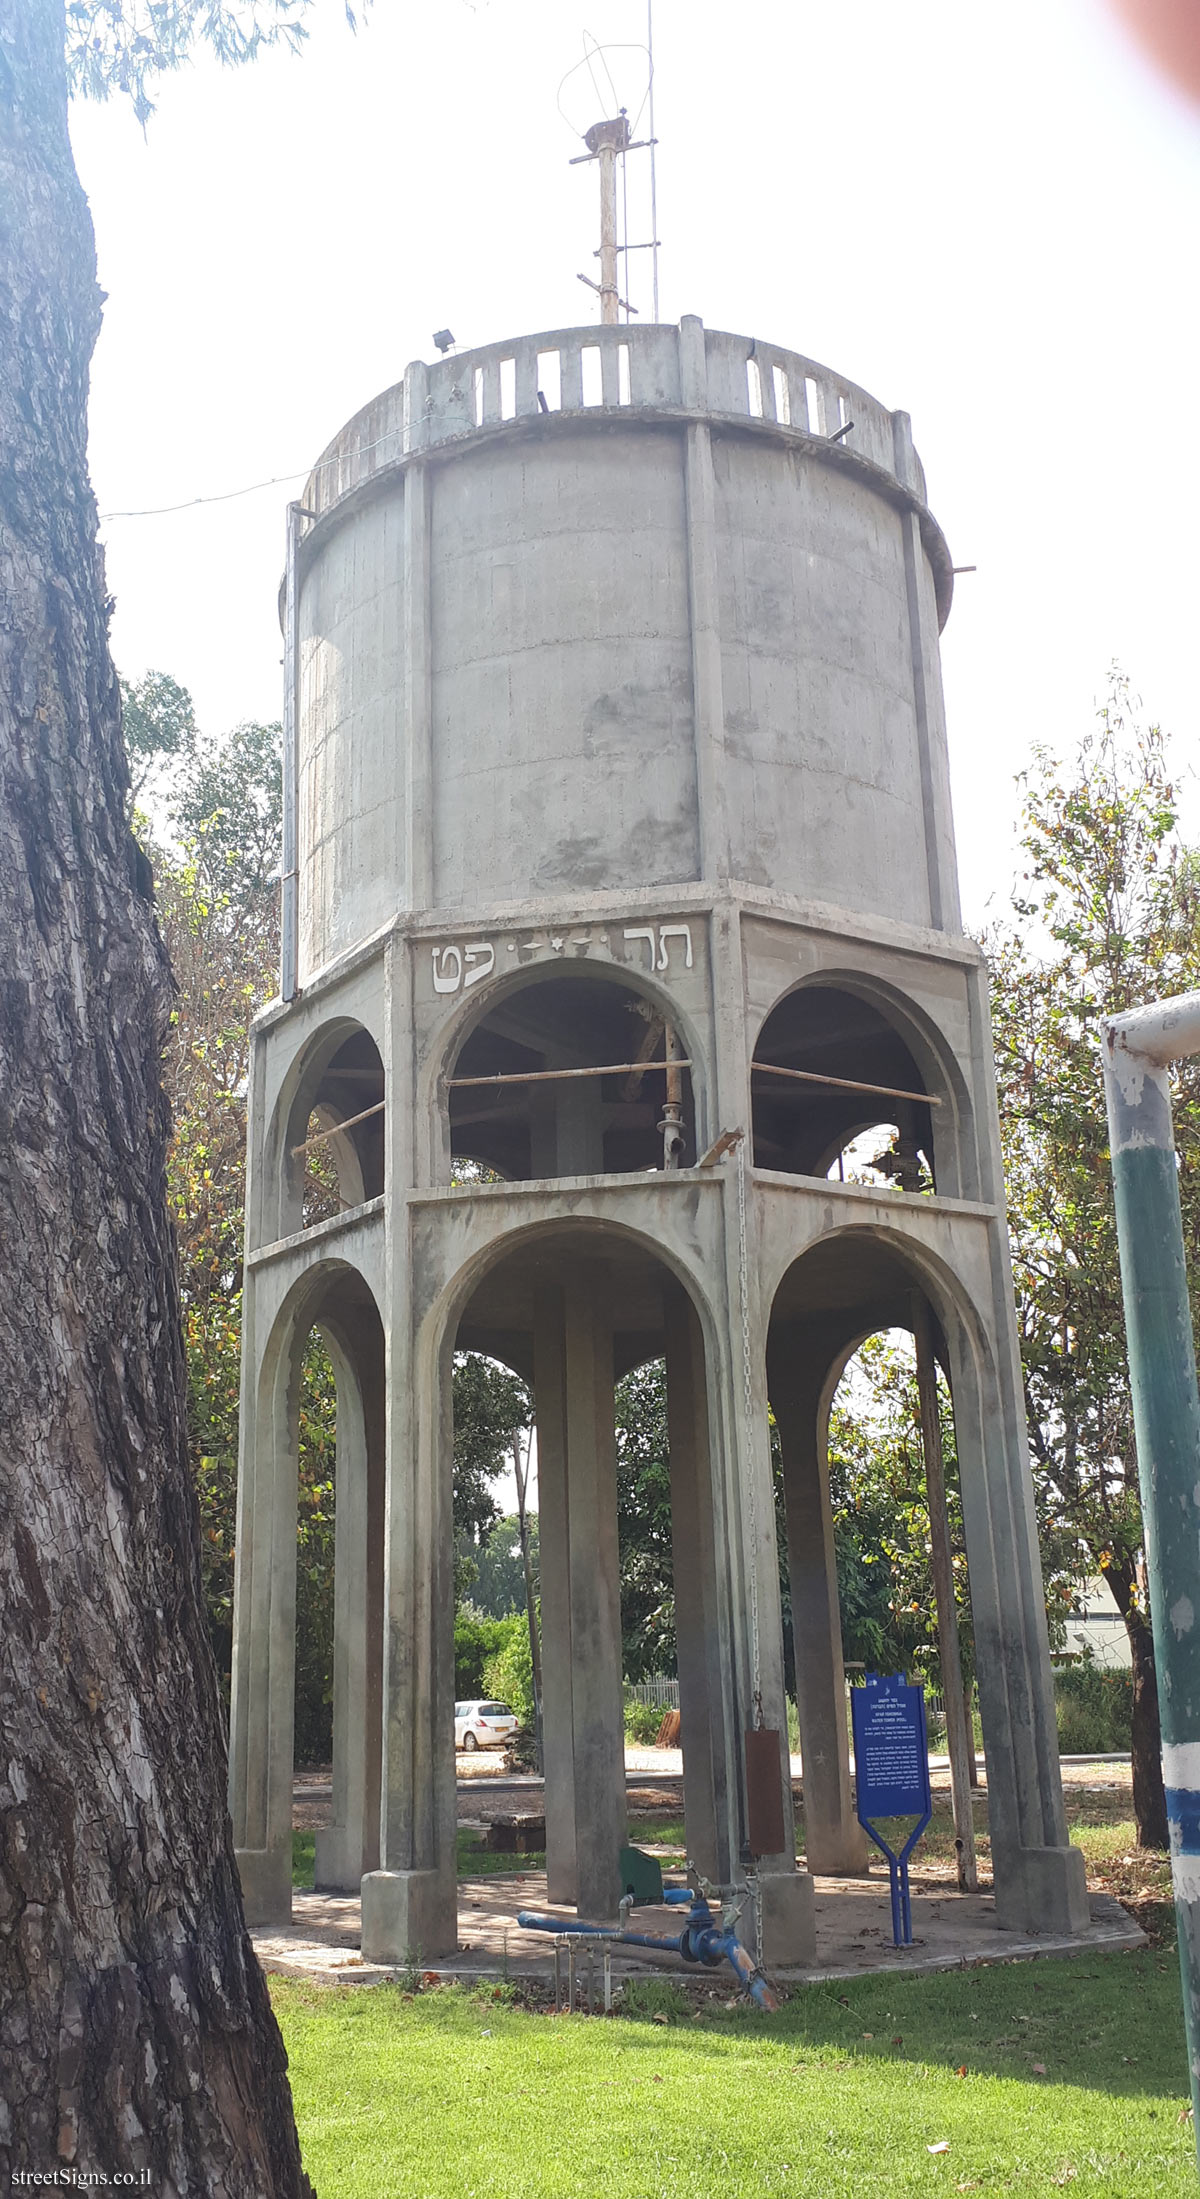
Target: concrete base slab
[[852, 1920], [407, 1917]]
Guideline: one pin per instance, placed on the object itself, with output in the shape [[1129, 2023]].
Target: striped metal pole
[[1137, 1049]]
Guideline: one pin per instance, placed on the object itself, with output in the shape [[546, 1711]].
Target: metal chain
[[748, 1407]]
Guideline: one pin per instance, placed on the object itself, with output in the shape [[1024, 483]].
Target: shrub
[[508, 1676], [1094, 1708], [476, 1639], [642, 1721]]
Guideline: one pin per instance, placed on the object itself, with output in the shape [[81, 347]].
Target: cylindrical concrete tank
[[611, 608]]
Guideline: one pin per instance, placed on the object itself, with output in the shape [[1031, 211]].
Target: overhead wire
[[227, 496]]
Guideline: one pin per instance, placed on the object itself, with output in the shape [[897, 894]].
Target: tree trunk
[[1149, 1796], [135, 2029]]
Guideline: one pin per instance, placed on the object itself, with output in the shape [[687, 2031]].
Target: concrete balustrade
[[636, 370]]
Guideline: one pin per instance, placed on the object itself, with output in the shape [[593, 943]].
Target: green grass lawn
[[1039, 2076], [845, 2091]]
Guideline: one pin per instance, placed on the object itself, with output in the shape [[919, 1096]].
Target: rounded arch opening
[[858, 1376], [570, 1074], [840, 1089], [614, 1344], [333, 1146], [322, 1410]]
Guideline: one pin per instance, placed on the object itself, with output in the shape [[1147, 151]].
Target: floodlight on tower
[[591, 83]]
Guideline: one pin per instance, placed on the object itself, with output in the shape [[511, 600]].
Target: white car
[[482, 1725]]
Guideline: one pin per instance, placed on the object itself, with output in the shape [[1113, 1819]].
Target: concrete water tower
[[619, 820]]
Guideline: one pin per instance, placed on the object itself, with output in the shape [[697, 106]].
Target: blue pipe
[[701, 1940]]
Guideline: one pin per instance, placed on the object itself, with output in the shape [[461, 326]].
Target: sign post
[[891, 1776]]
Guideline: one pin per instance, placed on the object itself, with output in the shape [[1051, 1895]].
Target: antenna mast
[[604, 141], [607, 142], [653, 144]]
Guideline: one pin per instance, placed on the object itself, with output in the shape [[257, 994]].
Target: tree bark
[[135, 2029]]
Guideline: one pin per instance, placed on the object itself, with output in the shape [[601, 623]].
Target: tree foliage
[[213, 842], [214, 847], [498, 1588], [881, 1521], [491, 1407], [1107, 913], [122, 45], [158, 719], [644, 1522]]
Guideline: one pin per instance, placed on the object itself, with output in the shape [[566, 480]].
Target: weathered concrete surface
[[585, 619]]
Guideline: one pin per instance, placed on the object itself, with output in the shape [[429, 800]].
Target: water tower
[[620, 862]]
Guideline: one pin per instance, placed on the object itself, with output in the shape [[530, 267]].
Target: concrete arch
[[898, 1006], [571, 1315], [312, 1086], [335, 1297], [472, 1011], [808, 1344], [305, 1306], [904, 1240], [942, 1072], [445, 1313]]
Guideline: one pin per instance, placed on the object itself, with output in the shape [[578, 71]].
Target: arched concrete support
[[350, 1846], [705, 1706], [262, 1713], [868, 1273], [939, 1070], [1040, 1877], [262, 1722], [410, 1904]]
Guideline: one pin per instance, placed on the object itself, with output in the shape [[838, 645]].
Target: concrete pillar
[[788, 1931], [410, 1904], [582, 1726], [705, 1719], [836, 1842], [350, 1846], [579, 1115], [264, 1678], [558, 1728], [543, 1132], [1040, 1880]]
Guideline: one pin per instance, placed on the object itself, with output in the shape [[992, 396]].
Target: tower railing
[[688, 371]]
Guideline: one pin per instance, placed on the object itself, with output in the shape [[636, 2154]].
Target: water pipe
[[702, 1940]]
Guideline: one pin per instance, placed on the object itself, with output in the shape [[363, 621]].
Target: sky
[[985, 215]]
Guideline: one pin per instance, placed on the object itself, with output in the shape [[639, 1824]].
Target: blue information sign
[[891, 1772]]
